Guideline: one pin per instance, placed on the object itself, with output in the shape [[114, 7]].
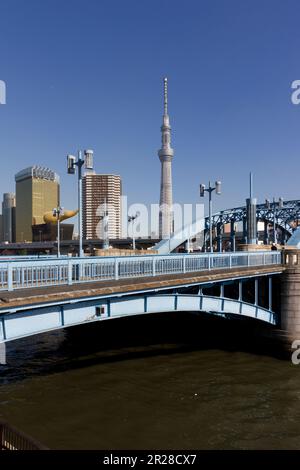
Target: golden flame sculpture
[[49, 218]]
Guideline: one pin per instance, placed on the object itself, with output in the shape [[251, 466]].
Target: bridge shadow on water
[[136, 337], [172, 332]]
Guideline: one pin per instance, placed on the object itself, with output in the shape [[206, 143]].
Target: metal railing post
[[80, 270], [153, 267], [10, 277], [70, 273], [183, 265], [116, 269]]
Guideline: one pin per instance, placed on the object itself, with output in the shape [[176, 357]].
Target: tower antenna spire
[[166, 154], [165, 96]]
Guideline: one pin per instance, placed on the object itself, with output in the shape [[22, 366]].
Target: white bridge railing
[[53, 272]]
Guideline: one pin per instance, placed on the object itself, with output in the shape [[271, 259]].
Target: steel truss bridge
[[285, 216], [38, 296]]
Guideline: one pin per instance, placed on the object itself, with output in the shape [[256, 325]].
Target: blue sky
[[88, 74]]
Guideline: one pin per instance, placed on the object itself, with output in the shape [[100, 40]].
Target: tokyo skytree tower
[[166, 154]]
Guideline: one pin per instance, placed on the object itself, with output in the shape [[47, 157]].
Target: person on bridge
[[274, 246]]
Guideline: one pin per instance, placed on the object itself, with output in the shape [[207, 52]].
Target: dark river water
[[172, 381]]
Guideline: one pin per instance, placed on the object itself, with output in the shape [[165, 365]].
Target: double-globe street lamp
[[57, 212], [210, 190], [132, 218], [87, 160]]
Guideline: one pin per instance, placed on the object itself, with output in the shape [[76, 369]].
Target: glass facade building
[[37, 192]]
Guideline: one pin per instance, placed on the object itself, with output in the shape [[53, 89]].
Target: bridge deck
[[41, 295]]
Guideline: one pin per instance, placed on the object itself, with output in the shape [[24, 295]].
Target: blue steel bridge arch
[[25, 322], [285, 216], [289, 213]]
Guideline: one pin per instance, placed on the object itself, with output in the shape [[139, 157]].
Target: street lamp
[[273, 207], [57, 212], [210, 189], [72, 163], [132, 218]]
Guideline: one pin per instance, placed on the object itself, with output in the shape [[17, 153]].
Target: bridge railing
[[13, 439], [53, 272]]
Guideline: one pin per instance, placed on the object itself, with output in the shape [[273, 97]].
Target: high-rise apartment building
[[101, 193], [37, 192], [9, 217]]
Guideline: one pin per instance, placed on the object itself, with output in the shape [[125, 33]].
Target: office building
[[9, 217], [101, 193], [37, 192], [1, 227]]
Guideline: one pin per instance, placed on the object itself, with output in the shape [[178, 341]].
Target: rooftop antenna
[[165, 96]]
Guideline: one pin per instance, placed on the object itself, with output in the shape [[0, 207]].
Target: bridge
[[285, 215], [38, 296], [285, 218]]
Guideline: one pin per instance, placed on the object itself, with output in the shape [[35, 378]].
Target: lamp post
[[57, 212], [274, 207], [210, 190], [72, 163], [132, 218]]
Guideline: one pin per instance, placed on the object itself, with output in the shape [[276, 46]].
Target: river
[[172, 381]]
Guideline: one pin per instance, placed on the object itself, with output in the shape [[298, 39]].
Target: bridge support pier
[[245, 240], [256, 291], [270, 293], [290, 295], [251, 222], [219, 238], [266, 234]]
